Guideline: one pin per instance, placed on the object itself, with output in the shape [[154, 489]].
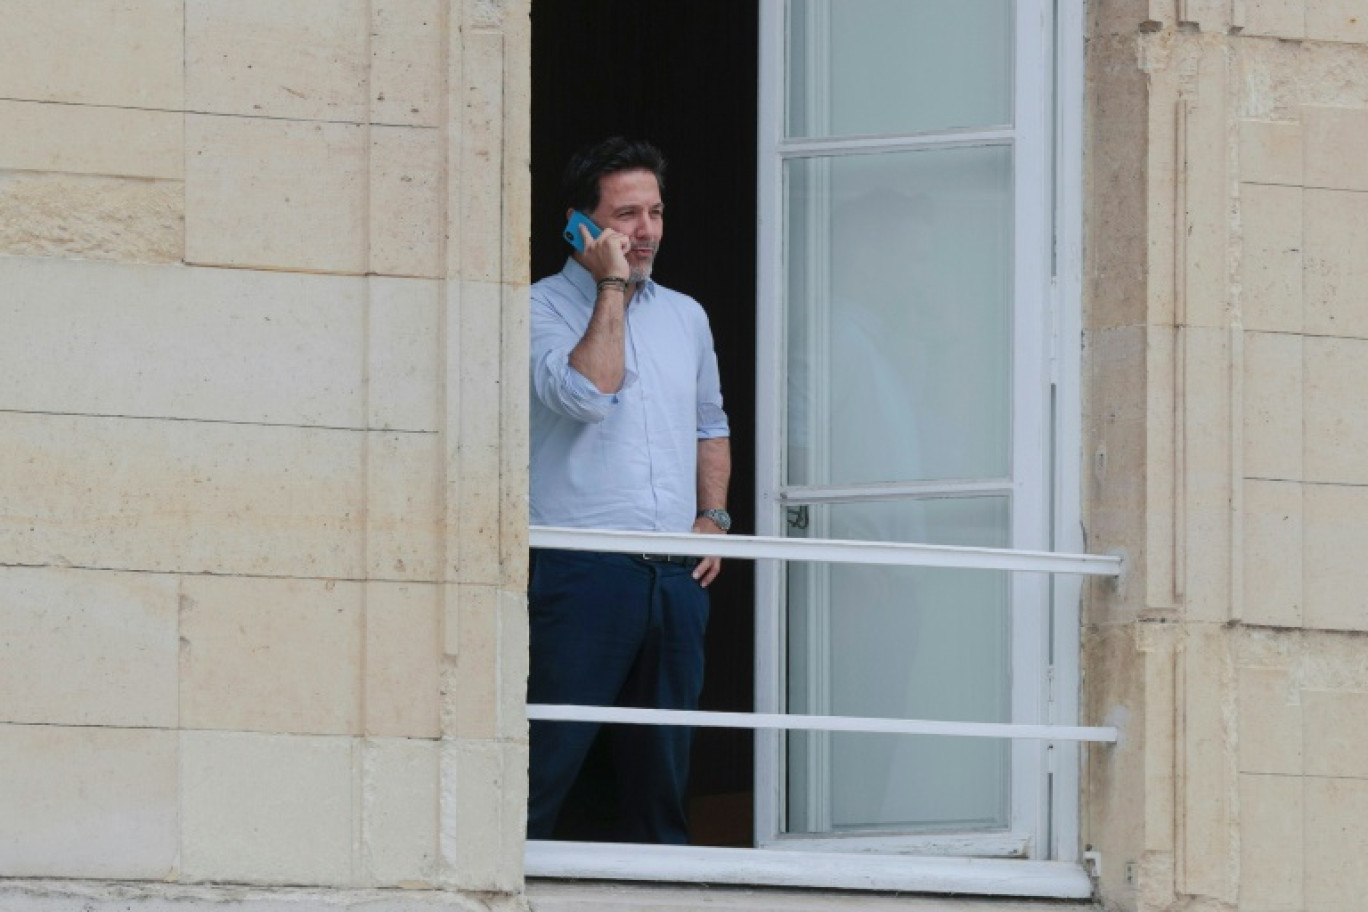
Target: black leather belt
[[680, 559]]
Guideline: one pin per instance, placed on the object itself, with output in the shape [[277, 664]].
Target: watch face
[[721, 517]]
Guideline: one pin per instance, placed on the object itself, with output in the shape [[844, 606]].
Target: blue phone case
[[572, 232]]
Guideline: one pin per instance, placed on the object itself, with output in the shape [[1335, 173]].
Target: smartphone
[[572, 229]]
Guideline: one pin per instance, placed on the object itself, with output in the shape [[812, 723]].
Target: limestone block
[[517, 149], [1114, 669], [1204, 177], [1208, 783], [1207, 485], [1334, 144], [1337, 20], [513, 663], [270, 655], [1272, 809], [87, 802], [276, 194], [1273, 385], [1336, 843], [1271, 257], [1270, 721], [117, 53], [484, 814], [180, 496], [403, 659], [1336, 427], [400, 812], [406, 230], [1336, 263], [514, 441], [471, 705], [476, 193], [403, 506], [1275, 18], [1273, 544], [213, 344], [1335, 575], [92, 217], [1116, 455], [406, 79], [1116, 249], [473, 458], [266, 809], [403, 348], [262, 58], [79, 139], [82, 647], [1336, 739], [1271, 153]]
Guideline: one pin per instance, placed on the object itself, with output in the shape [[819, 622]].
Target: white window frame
[[1035, 642], [1055, 873]]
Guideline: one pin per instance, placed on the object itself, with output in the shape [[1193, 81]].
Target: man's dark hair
[[580, 185]]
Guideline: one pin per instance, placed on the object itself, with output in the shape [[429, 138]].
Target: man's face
[[629, 202]]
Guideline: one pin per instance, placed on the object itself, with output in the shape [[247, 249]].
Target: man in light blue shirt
[[627, 433]]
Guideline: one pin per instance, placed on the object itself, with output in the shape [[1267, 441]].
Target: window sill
[[831, 870]]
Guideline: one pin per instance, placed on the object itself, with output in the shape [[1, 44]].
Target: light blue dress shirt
[[625, 460]]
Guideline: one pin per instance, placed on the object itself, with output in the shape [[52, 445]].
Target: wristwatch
[[721, 517]]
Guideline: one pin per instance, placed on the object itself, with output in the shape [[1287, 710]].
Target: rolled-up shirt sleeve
[[559, 386], [712, 420]]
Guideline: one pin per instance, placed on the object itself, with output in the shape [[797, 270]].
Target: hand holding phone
[[572, 230]]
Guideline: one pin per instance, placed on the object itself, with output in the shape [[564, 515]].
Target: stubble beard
[[639, 274]]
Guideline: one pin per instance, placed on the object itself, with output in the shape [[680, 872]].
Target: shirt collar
[[583, 280]]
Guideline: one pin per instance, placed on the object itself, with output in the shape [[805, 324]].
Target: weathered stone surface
[[403, 659], [229, 344], [1271, 254], [270, 655], [399, 811], [406, 231], [1335, 275], [260, 58], [1272, 855], [1335, 574], [95, 217], [276, 194], [1336, 427], [483, 781], [82, 647], [1336, 843], [1274, 388], [88, 802], [406, 62], [1275, 18], [181, 496], [121, 53], [81, 139], [266, 809], [1273, 548]]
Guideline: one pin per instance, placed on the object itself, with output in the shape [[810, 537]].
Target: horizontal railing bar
[[840, 551], [914, 142], [546, 712], [914, 490]]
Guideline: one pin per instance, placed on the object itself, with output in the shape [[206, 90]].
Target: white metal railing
[[757, 547], [777, 867]]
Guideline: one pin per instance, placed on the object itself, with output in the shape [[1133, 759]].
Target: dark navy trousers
[[614, 630]]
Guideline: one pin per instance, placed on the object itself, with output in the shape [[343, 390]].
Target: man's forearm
[[714, 472], [601, 353]]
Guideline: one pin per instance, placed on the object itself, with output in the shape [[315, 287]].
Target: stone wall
[[263, 269], [1228, 237]]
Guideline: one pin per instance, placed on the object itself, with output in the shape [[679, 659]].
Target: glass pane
[[897, 66], [898, 302], [895, 642]]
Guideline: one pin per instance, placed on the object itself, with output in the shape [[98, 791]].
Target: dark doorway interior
[[682, 75]]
